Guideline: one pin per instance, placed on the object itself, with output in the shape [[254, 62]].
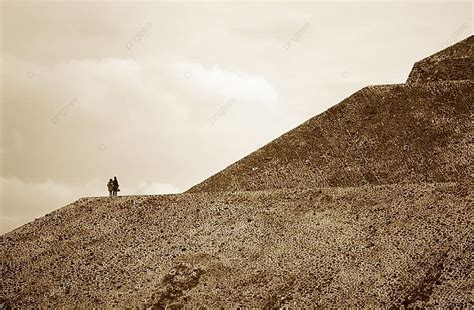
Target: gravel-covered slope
[[370, 246], [453, 63], [443, 70], [420, 131], [380, 135]]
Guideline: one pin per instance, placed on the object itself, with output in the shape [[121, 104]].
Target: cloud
[[156, 188], [246, 87], [22, 202]]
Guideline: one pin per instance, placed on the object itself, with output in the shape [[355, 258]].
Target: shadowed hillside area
[[415, 132], [368, 204]]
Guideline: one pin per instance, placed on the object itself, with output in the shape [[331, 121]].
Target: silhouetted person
[[115, 187], [110, 187]]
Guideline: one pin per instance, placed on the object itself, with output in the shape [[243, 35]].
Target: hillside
[[368, 204], [380, 135], [414, 132], [453, 63], [380, 246]]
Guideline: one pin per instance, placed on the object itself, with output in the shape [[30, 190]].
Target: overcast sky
[[164, 95]]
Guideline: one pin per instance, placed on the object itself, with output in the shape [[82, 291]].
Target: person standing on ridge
[[110, 187], [115, 186]]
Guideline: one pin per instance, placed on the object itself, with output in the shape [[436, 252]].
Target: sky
[[165, 94]]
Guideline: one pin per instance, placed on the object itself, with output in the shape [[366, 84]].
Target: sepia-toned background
[[165, 94]]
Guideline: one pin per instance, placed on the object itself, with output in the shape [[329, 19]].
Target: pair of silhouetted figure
[[113, 187]]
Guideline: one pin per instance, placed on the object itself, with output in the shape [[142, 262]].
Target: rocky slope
[[380, 135], [381, 246], [451, 64], [366, 205], [414, 132]]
